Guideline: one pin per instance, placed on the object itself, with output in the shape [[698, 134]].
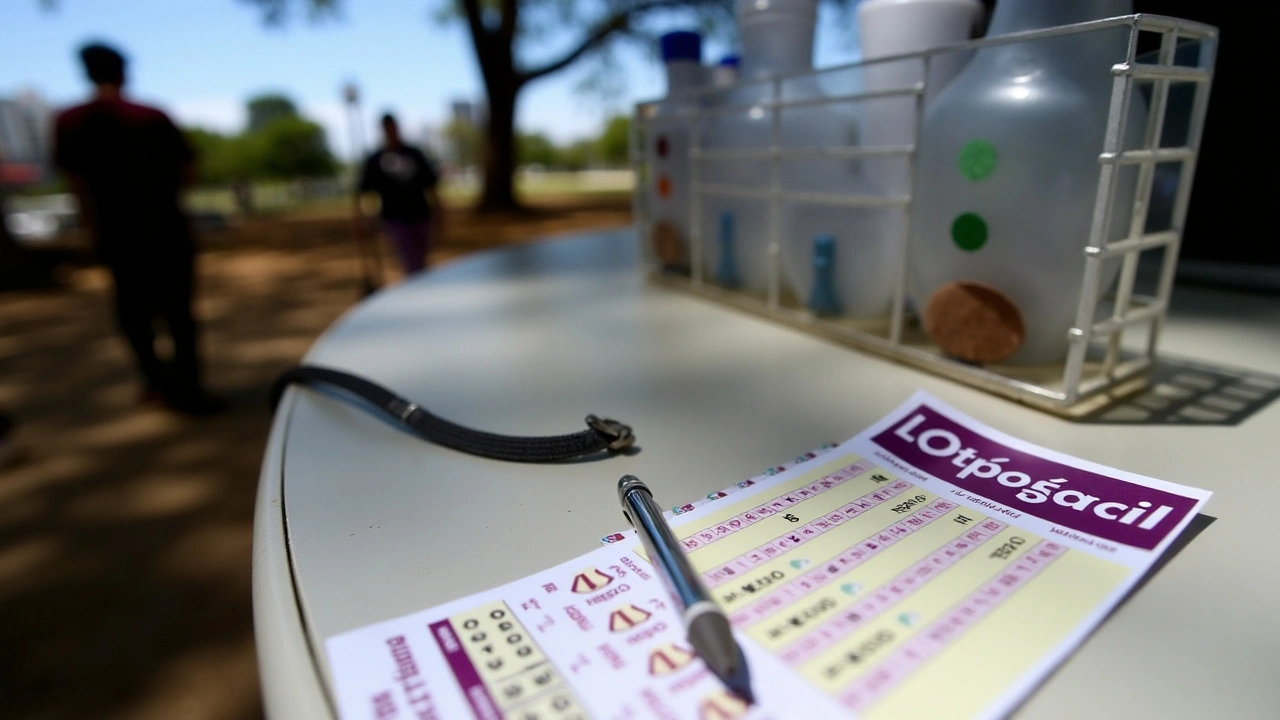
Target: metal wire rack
[[1099, 365]]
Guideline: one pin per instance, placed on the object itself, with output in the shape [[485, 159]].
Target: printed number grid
[[714, 533], [786, 542], [500, 665], [934, 638], [840, 565], [899, 588]]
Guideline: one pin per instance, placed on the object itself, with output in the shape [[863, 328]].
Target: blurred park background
[[125, 530]]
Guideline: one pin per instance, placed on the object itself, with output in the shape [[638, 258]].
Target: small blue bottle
[[726, 268], [823, 300]]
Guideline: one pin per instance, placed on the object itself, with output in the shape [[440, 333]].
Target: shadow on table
[[1187, 392]]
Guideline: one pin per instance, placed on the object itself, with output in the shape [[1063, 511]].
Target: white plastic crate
[[1098, 366]]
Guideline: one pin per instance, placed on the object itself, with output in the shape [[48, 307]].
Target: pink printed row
[[866, 690], [839, 565], [783, 502], [733, 569], [891, 593]]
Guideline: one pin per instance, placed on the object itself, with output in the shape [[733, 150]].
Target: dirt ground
[[125, 532]]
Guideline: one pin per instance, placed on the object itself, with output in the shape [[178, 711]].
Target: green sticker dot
[[969, 231], [977, 160]]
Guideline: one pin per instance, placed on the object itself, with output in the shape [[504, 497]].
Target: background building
[[26, 136]]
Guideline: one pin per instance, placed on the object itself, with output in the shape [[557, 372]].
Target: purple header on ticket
[[463, 671], [1102, 506]]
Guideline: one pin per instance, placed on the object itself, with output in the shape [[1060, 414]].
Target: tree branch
[[480, 37], [593, 40], [507, 30], [618, 21]]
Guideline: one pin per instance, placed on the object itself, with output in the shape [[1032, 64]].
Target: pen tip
[[712, 639], [738, 680]]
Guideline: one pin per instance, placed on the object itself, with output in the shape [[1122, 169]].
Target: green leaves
[[220, 159], [615, 142], [536, 149], [465, 143], [292, 147], [278, 144], [263, 109]]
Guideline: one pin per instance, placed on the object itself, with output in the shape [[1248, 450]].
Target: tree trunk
[[499, 193]]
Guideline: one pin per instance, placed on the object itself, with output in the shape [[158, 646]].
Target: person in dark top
[[127, 164], [406, 182]]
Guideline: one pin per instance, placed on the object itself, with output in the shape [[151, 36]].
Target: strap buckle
[[404, 411], [620, 435]]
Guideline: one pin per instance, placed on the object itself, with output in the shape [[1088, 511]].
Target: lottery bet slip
[[930, 567]]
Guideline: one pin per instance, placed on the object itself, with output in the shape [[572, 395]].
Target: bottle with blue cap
[[725, 72], [666, 150]]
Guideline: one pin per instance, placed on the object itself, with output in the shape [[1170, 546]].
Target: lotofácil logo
[[1104, 506]]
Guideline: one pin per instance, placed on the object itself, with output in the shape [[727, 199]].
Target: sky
[[200, 60]]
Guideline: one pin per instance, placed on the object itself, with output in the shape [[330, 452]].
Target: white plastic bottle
[[667, 150], [897, 27], [777, 39], [1008, 173], [725, 73], [854, 246]]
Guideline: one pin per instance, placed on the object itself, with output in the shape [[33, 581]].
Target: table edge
[[293, 685]]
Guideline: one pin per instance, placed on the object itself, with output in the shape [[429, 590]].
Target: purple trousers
[[410, 242]]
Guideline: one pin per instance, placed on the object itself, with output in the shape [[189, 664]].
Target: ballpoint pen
[[709, 631]]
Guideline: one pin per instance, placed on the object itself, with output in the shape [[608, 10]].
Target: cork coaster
[[667, 245], [974, 322]]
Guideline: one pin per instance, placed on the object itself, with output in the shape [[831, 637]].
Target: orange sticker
[[664, 186]]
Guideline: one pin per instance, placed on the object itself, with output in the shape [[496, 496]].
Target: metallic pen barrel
[[709, 630], [660, 542]]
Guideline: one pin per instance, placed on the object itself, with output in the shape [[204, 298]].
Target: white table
[[357, 522]]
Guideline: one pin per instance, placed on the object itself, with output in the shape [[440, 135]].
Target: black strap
[[601, 434]]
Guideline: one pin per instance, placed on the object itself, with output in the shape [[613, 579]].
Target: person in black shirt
[[127, 164], [406, 182]]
